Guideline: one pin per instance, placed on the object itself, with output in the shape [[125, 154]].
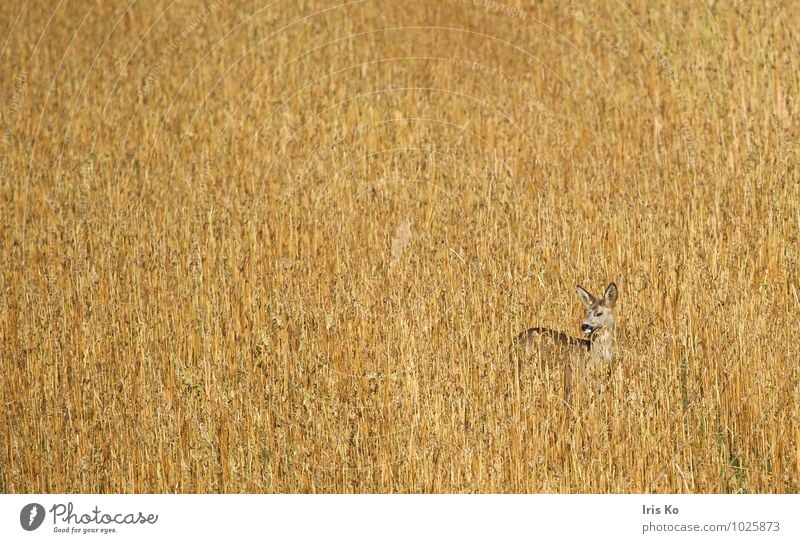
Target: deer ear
[[586, 298], [610, 296]]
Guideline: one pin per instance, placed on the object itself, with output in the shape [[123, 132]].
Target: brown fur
[[532, 336]]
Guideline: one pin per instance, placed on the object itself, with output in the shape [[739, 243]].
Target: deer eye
[[599, 314]]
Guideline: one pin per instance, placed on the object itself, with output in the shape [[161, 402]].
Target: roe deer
[[598, 327]]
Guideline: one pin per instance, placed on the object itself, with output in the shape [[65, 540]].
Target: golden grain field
[[283, 246]]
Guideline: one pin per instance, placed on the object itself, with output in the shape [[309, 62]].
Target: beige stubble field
[[283, 247]]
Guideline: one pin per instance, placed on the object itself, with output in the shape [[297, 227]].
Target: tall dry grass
[[282, 247]]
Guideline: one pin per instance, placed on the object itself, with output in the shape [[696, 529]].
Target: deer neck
[[603, 344]]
